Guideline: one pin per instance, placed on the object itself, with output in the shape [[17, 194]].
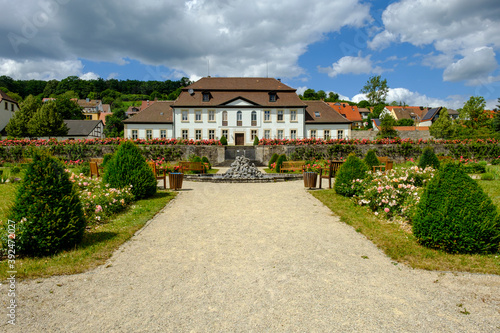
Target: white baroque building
[[239, 109]]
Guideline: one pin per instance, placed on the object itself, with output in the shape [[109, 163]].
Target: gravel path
[[254, 258]]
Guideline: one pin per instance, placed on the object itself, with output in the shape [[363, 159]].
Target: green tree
[[363, 104], [47, 122], [377, 110], [17, 126], [69, 109], [332, 97], [472, 114], [442, 128], [405, 122], [47, 209], [376, 90], [496, 118], [114, 124], [387, 130]]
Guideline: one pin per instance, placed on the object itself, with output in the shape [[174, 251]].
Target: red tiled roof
[[225, 90], [326, 114], [158, 112], [4, 96], [348, 111]]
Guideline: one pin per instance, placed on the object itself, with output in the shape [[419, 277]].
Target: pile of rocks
[[241, 169]]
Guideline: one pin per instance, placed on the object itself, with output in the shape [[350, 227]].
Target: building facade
[[239, 109]]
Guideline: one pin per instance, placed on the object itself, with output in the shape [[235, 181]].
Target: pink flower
[[386, 210]]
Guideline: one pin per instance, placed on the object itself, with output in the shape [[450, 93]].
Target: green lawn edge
[[401, 246], [98, 245]]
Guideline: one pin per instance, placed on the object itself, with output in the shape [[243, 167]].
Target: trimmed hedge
[[128, 167], [455, 215], [353, 168], [47, 210], [428, 158]]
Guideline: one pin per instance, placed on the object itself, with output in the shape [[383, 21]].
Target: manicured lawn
[[402, 246], [6, 199], [98, 244]]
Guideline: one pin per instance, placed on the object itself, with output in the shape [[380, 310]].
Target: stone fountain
[[242, 169]]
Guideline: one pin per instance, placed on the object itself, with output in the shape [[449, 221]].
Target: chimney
[[278, 79]]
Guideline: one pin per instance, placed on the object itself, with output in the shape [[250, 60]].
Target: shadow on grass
[[93, 238]]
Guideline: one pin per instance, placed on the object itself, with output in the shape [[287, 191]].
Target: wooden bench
[[159, 173], [97, 160], [386, 164], [192, 166], [330, 172], [292, 166]]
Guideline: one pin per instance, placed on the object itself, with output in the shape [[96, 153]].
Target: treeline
[[75, 87]]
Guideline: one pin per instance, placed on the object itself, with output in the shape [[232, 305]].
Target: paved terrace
[[254, 258]]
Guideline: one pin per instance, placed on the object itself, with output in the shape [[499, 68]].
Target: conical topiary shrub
[[371, 159], [223, 141], [129, 167], [47, 210], [428, 158], [279, 162], [272, 160], [455, 215], [352, 169]]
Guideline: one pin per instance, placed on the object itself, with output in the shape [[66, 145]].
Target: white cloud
[[352, 65], [238, 37], [474, 66], [89, 76], [455, 28], [416, 99], [40, 69], [300, 90]]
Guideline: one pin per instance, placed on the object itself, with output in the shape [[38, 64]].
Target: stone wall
[[371, 135]]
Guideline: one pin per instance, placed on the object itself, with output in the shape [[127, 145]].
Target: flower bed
[[299, 142], [109, 141], [396, 192], [99, 201]]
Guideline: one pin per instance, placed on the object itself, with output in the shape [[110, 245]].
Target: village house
[[8, 106], [349, 112], [239, 109]]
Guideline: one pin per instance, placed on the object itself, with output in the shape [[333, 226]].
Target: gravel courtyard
[[254, 258]]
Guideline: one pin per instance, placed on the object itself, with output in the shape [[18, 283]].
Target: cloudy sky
[[432, 52]]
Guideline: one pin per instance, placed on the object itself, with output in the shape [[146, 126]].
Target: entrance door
[[239, 139]]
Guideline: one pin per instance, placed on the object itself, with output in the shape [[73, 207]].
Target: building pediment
[[240, 101]]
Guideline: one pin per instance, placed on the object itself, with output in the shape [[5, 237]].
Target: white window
[[224, 116], [327, 134], [134, 134], [253, 134], [198, 134], [239, 118], [272, 97], [340, 134], [280, 134], [313, 134], [293, 134], [185, 114], [316, 114], [267, 115], [267, 134], [293, 115], [211, 134], [206, 97], [197, 115], [163, 134], [211, 115], [185, 134], [225, 133], [149, 134], [280, 115], [254, 118]]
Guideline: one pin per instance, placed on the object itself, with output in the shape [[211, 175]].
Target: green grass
[[267, 170], [402, 246], [6, 199], [97, 246]]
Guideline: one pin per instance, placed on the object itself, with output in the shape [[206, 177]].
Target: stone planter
[[310, 179], [175, 180]]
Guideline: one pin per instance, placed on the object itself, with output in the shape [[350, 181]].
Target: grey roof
[[431, 113], [81, 127], [4, 96]]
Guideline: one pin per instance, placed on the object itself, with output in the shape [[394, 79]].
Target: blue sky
[[432, 52]]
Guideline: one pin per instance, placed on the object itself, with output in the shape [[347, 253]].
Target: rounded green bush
[[223, 141], [428, 158], [129, 167], [279, 162], [204, 159], [352, 169], [256, 141], [371, 159], [272, 160], [47, 210], [487, 176], [455, 215], [106, 158]]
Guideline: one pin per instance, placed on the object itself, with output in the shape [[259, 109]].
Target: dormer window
[[316, 114], [206, 97], [272, 97]]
